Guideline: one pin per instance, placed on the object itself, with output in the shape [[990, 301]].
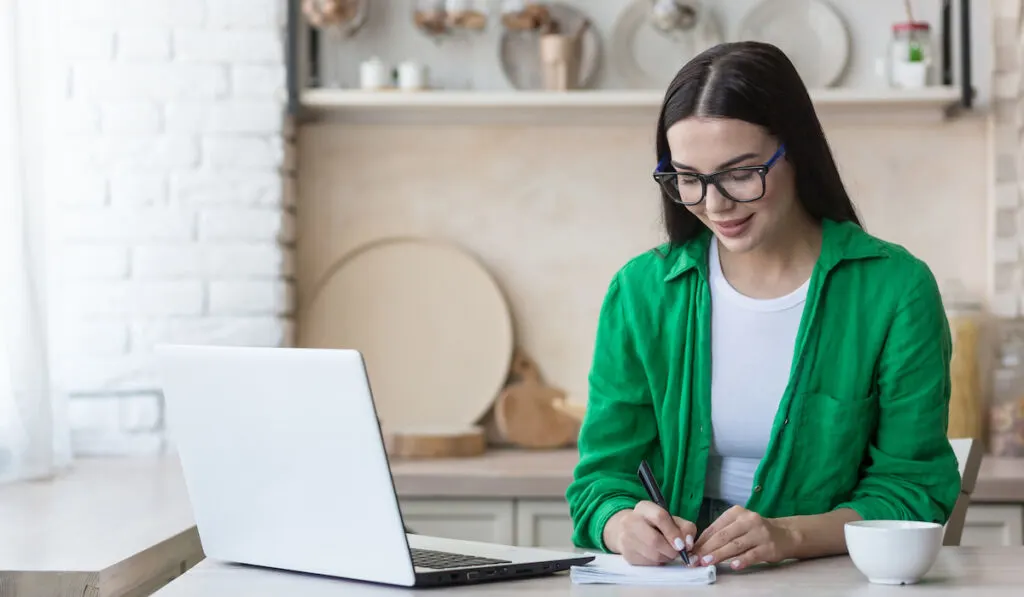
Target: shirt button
[[786, 422], [702, 429], [757, 489]]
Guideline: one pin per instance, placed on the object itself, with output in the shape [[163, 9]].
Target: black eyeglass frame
[[762, 170]]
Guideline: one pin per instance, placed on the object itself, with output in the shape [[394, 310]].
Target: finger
[[730, 539], [732, 548], [723, 521], [633, 554], [660, 519], [749, 558], [688, 529], [656, 542], [648, 543]]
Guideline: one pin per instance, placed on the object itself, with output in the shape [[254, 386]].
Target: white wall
[[172, 224]]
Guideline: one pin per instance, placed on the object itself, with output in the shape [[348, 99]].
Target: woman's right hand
[[647, 535]]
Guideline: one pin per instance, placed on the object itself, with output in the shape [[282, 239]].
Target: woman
[[782, 371]]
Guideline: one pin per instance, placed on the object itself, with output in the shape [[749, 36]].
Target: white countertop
[[959, 571], [107, 528], [94, 516]]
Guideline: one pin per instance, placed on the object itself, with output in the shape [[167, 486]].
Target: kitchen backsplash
[[554, 211]]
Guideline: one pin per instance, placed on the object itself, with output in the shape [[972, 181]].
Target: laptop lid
[[284, 461]]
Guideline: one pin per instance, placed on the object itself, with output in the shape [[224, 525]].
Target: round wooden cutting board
[[433, 327], [436, 443]]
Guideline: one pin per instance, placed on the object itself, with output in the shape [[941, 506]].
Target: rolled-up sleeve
[[618, 430]]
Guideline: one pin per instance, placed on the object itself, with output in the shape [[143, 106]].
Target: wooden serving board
[[436, 443], [525, 413]]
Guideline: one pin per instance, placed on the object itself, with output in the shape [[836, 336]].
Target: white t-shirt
[[752, 342]]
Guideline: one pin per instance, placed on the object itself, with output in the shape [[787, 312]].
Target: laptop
[[285, 466]]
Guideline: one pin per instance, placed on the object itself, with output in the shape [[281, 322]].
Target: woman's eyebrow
[[732, 162]]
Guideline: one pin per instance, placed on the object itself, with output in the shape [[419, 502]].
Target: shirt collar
[[841, 241]]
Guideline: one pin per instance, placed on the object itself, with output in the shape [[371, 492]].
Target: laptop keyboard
[[426, 558]]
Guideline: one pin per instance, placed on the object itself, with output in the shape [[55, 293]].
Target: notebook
[[614, 569]]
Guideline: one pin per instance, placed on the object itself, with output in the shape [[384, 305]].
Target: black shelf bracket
[[967, 90], [964, 18], [291, 57]]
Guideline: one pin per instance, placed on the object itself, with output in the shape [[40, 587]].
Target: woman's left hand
[[744, 537]]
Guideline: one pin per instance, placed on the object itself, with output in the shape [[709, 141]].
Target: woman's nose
[[716, 201]]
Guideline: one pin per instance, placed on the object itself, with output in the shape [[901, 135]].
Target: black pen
[[651, 485]]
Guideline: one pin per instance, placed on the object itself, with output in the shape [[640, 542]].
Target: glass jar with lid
[[1006, 412], [966, 401], [910, 55]]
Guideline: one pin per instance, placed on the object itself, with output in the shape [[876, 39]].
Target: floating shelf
[[931, 104]]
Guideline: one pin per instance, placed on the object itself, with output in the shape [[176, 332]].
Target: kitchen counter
[[546, 474], [106, 528], [124, 527], [958, 571]]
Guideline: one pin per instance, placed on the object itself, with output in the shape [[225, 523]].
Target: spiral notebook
[[614, 570]]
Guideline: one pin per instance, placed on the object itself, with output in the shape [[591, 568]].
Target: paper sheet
[[614, 569]]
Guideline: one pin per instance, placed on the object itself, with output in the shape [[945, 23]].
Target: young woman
[[782, 371]]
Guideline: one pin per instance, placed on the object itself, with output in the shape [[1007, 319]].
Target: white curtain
[[34, 439]]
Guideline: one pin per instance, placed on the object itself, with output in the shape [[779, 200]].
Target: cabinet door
[[471, 520], [994, 525], [543, 523]]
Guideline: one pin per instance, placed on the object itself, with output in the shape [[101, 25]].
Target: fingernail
[[735, 564], [678, 543], [689, 541], [707, 559]]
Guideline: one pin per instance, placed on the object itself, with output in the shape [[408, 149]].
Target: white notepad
[[614, 569]]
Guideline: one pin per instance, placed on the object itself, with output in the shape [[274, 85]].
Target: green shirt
[[862, 422]]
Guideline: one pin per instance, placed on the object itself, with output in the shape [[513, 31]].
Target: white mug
[[412, 76], [373, 74]]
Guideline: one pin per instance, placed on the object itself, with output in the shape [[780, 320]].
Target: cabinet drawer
[[543, 523], [471, 520], [993, 525]]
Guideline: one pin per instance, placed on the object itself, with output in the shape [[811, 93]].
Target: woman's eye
[[740, 175], [688, 180]]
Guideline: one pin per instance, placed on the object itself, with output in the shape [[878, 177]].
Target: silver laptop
[[284, 461]]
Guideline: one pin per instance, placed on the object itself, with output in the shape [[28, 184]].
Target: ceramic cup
[[412, 76], [373, 74], [893, 552]]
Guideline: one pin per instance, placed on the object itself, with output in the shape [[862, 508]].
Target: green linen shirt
[[862, 422]]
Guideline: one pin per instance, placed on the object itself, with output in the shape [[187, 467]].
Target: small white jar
[[373, 74], [412, 76]]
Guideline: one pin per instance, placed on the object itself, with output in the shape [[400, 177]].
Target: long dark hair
[[757, 83]]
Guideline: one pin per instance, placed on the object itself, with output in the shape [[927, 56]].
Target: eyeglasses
[[742, 184]]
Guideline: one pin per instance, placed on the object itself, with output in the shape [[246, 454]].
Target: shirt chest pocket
[[830, 442]]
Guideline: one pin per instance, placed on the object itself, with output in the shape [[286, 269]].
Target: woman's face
[[707, 145]]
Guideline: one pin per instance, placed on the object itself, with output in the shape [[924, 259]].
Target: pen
[[651, 486]]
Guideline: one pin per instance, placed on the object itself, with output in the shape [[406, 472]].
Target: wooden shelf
[[598, 107]]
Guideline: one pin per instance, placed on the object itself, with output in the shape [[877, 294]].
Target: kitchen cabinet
[[994, 525], [517, 497], [526, 522], [470, 519], [545, 522]]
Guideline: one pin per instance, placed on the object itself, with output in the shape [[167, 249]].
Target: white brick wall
[[174, 225]]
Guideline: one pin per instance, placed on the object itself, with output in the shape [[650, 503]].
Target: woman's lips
[[733, 228]]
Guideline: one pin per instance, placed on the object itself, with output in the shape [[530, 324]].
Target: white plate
[[649, 59], [810, 32]]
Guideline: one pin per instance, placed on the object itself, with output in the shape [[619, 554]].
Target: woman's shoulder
[[652, 269], [889, 264]]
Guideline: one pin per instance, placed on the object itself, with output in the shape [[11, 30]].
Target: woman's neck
[[776, 268]]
